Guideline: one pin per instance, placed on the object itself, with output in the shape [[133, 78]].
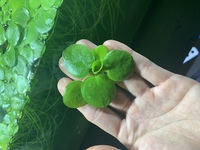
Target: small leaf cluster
[[24, 27], [98, 70]]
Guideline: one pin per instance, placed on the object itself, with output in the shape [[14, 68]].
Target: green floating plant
[[99, 69], [24, 28]]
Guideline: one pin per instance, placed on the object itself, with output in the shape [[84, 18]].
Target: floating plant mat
[[24, 28]]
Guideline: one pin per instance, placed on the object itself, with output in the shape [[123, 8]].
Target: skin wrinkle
[[186, 130], [117, 104], [167, 125], [126, 133], [188, 90], [182, 135], [182, 98], [161, 127], [176, 105], [131, 88], [152, 126]]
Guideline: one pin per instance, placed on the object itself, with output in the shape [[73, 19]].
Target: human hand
[[165, 116]]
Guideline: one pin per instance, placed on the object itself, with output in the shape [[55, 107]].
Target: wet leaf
[[2, 35], [98, 91], [6, 17], [78, 60], [21, 68], [13, 34], [119, 65], [26, 52], [34, 3], [17, 102], [2, 113], [1, 17], [45, 20], [31, 34], [2, 2], [2, 87], [22, 84], [6, 12], [10, 89], [4, 138], [58, 3], [15, 4], [38, 48], [21, 17], [9, 57], [72, 97], [5, 8], [97, 66], [46, 4], [100, 52], [2, 73]]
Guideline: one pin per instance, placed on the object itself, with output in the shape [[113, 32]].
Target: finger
[[86, 43], [122, 101], [102, 147], [144, 67], [104, 118], [135, 85], [62, 83]]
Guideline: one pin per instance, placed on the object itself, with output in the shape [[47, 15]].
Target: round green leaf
[[38, 48], [2, 114], [22, 84], [17, 102], [21, 68], [26, 52], [21, 17], [58, 3], [34, 3], [2, 87], [44, 19], [2, 35], [1, 17], [6, 13], [97, 66], [98, 91], [119, 65], [13, 34], [14, 5], [10, 89], [2, 73], [4, 138], [6, 17], [78, 60], [5, 8], [31, 34], [72, 97], [2, 2], [46, 4], [9, 57], [100, 52]]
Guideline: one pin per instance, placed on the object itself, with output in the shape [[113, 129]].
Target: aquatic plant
[[101, 68], [24, 27]]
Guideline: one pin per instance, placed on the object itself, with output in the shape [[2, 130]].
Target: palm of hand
[[165, 116]]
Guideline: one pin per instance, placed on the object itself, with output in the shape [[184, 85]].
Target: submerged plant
[[99, 69], [24, 27]]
